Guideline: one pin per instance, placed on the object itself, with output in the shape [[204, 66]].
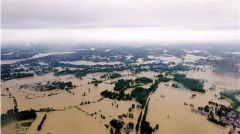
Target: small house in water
[[199, 112], [121, 117]]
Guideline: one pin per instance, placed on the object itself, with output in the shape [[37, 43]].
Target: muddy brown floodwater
[[83, 62], [192, 58], [35, 56], [181, 120], [73, 121]]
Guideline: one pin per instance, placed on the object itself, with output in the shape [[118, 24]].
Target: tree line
[[145, 125], [41, 123]]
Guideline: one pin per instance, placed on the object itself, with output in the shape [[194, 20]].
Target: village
[[232, 119]]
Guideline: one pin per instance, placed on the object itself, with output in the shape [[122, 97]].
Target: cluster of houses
[[47, 87], [122, 117], [231, 119], [199, 112], [43, 88], [129, 127]]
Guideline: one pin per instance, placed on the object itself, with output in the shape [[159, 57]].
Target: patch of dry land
[[68, 116]]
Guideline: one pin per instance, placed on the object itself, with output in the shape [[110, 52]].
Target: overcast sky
[[198, 20]]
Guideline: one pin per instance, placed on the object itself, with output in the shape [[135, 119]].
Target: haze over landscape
[[97, 67]]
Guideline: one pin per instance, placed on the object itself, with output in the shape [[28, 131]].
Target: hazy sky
[[195, 20]]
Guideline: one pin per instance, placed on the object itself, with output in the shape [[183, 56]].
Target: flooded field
[[83, 62], [181, 119], [75, 121], [35, 56], [167, 59], [192, 58], [162, 58], [226, 80], [9, 61], [72, 120]]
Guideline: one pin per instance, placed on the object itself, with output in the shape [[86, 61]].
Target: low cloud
[[182, 15]]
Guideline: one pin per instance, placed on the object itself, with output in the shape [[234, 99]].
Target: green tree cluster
[[113, 95], [141, 95], [181, 67], [143, 80], [10, 116], [165, 79], [192, 84], [122, 84], [115, 75], [116, 124]]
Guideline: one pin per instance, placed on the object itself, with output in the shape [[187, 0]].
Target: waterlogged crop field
[[172, 96]]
